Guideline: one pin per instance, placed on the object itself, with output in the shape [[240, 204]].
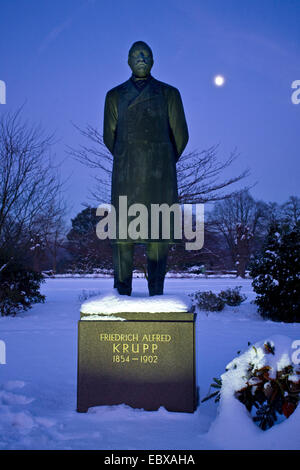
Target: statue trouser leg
[[123, 266], [157, 255]]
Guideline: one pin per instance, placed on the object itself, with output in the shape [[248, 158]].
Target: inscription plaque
[[145, 360]]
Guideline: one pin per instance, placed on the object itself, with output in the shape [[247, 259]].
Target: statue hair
[[140, 43]]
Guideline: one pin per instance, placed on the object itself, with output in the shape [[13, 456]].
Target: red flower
[[288, 408]]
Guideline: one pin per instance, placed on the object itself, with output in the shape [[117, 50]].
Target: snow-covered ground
[[38, 381]]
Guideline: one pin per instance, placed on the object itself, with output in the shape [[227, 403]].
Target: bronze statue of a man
[[146, 132]]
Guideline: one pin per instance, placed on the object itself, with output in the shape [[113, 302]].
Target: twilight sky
[[60, 57]]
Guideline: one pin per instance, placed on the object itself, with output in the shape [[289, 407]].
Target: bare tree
[[48, 233], [29, 183], [199, 174], [95, 155], [273, 213], [291, 210], [200, 177], [56, 239], [242, 222]]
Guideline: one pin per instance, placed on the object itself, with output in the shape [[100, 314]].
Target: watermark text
[[296, 94], [2, 92], [296, 354], [2, 352], [160, 222]]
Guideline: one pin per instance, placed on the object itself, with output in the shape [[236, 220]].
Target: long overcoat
[[146, 132]]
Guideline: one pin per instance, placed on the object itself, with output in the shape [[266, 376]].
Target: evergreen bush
[[208, 301], [233, 297], [276, 275], [19, 288]]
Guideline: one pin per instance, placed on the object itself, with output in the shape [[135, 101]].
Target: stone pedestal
[[145, 360]]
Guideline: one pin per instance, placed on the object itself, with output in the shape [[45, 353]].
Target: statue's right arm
[[110, 120]]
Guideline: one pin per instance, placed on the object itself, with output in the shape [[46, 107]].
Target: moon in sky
[[219, 80]]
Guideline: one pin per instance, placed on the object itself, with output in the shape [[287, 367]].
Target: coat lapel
[[129, 93], [150, 91]]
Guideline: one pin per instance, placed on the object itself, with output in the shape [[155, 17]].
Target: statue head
[[140, 59]]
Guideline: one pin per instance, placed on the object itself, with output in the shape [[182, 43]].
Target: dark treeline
[[36, 235], [235, 230], [35, 230]]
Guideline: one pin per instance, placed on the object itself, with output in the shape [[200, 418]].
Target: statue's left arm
[[110, 121], [177, 121]]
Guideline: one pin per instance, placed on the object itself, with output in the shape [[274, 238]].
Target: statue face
[[140, 60]]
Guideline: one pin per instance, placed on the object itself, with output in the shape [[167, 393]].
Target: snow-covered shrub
[[196, 269], [211, 302], [207, 300], [233, 297], [276, 275], [87, 294], [19, 288], [264, 379]]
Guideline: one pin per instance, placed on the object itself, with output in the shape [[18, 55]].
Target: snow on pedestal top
[[112, 302]]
